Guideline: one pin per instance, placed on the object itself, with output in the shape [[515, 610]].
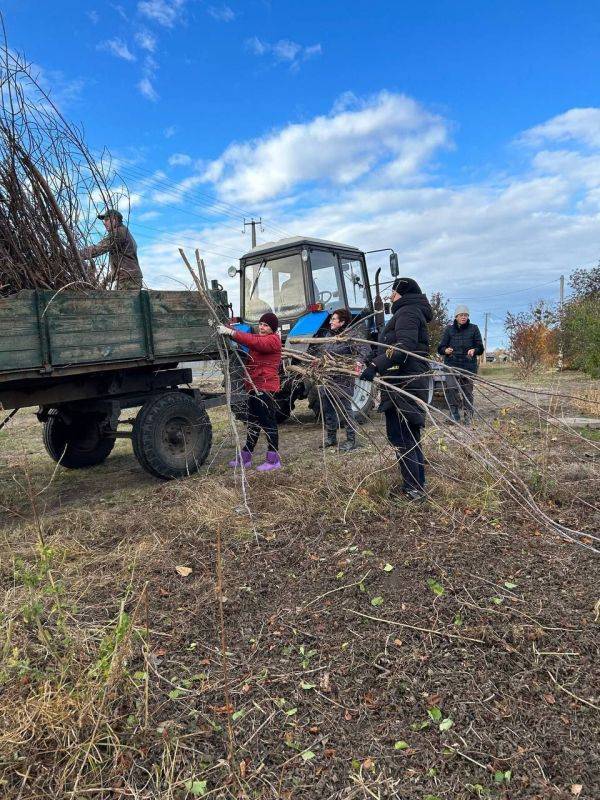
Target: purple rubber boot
[[243, 459], [272, 462]]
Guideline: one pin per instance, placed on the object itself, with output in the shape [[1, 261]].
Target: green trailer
[[83, 357]]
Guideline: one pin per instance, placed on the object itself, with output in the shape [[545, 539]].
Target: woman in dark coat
[[336, 398], [460, 345], [404, 417]]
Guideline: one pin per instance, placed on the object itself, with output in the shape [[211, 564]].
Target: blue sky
[[466, 135]]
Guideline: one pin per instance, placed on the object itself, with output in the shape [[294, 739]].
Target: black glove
[[368, 373]]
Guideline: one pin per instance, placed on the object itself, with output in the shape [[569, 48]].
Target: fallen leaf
[[228, 709], [183, 571]]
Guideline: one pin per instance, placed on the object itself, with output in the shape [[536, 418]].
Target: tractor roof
[[297, 241]]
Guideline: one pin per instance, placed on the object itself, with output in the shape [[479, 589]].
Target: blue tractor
[[303, 280]]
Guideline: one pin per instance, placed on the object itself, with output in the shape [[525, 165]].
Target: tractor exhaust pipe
[[378, 303]]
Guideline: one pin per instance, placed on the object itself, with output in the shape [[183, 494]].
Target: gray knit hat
[[461, 310]]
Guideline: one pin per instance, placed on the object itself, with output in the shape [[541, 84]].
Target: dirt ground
[[307, 634]]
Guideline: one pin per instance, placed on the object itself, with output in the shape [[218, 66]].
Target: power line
[[507, 294], [222, 206], [170, 236]]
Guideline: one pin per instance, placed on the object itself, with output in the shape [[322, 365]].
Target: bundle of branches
[[51, 187]]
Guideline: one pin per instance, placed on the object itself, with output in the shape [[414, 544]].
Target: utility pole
[[485, 339], [253, 223], [562, 292], [560, 322]]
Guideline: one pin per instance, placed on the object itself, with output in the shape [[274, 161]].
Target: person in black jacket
[[460, 345], [404, 416], [336, 399]]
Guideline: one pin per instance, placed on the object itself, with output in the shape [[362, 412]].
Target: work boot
[[350, 443], [243, 459], [414, 495], [272, 462], [330, 438]]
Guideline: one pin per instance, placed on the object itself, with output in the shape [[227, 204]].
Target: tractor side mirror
[[394, 269]]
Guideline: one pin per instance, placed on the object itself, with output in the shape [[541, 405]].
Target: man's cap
[[111, 212], [406, 286], [271, 320], [461, 310]]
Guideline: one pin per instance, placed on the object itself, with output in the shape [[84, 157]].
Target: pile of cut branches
[[51, 187]]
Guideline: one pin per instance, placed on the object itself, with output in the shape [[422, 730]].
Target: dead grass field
[[354, 646]]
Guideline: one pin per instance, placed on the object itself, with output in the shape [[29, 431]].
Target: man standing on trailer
[[124, 272]]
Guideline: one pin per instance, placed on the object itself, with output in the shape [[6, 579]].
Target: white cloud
[[284, 50], [147, 89], [146, 41], [180, 160], [362, 175], [146, 85], [221, 13], [576, 125], [117, 48], [257, 47], [178, 191], [164, 12], [389, 132]]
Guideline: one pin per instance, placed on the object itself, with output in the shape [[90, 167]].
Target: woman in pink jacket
[[262, 381]]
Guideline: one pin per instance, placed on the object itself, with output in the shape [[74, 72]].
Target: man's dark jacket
[[407, 329], [461, 338]]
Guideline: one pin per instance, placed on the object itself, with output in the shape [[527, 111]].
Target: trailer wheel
[[77, 444], [172, 435]]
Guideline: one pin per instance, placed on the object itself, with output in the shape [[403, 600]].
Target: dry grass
[[112, 670]]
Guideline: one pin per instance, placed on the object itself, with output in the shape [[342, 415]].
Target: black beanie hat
[[271, 320], [406, 286]]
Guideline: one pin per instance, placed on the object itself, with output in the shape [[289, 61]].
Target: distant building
[[498, 356]]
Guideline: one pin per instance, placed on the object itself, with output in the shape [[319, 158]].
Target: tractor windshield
[[274, 284]]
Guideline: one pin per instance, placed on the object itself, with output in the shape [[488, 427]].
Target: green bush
[[581, 329]]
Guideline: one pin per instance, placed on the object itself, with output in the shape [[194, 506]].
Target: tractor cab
[[303, 279]]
